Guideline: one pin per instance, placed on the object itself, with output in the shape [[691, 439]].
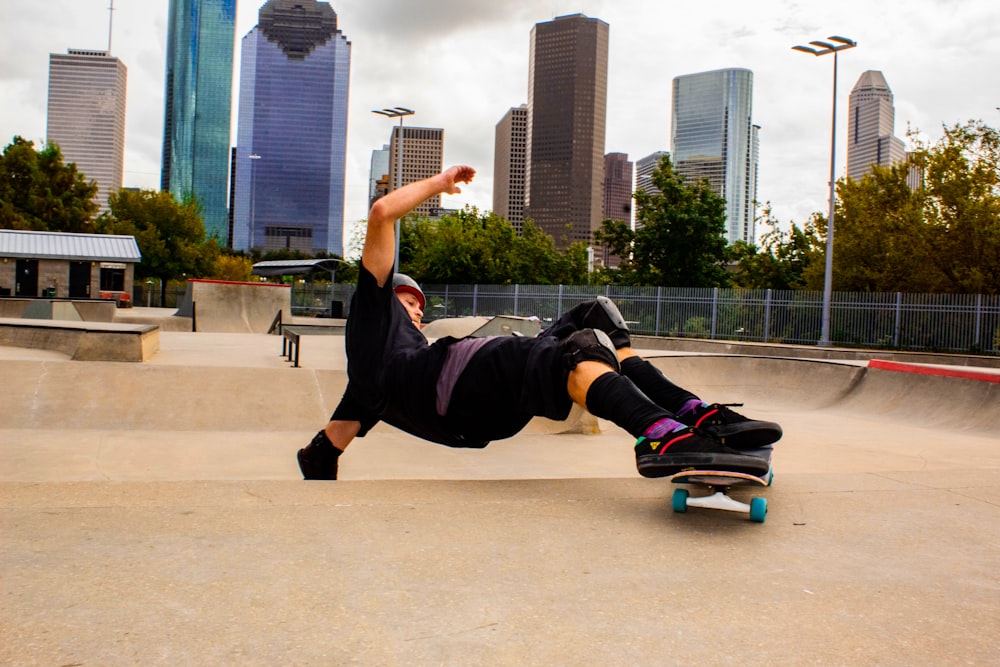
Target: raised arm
[[380, 239]]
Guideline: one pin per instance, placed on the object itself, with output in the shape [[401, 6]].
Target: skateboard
[[718, 483]]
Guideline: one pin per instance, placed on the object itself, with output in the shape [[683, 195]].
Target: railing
[[968, 324]]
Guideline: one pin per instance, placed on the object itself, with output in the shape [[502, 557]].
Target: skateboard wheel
[[758, 509], [680, 500]]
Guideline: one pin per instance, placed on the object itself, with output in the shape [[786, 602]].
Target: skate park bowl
[[154, 513]]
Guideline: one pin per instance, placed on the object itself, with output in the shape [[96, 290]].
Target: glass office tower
[[713, 137], [198, 96], [292, 134]]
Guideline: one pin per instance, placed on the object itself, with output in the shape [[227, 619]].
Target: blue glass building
[[292, 132], [199, 80], [713, 137]]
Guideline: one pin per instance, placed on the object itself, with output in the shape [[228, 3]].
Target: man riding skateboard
[[467, 392]]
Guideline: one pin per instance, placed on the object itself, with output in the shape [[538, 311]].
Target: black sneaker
[[731, 428], [318, 459], [690, 449]]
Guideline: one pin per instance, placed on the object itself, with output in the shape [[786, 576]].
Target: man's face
[[412, 305]]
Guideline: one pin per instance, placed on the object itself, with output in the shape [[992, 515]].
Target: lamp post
[[821, 48], [253, 195], [400, 113]]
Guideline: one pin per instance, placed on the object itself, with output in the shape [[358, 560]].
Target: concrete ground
[[153, 514]]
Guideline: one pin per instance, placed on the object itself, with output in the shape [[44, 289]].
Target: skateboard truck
[[718, 483]]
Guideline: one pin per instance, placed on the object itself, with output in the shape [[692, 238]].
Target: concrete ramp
[[108, 396], [230, 307], [92, 310], [969, 401]]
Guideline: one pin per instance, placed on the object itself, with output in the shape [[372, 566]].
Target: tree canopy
[[38, 192], [943, 235], [679, 237], [469, 247], [781, 260], [170, 234]]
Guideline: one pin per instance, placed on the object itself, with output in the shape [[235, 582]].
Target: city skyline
[[461, 67]]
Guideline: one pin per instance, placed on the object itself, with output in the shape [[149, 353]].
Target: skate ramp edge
[[83, 341], [219, 306], [117, 397], [908, 393], [105, 395]]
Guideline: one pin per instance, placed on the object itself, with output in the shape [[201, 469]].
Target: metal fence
[[968, 324]]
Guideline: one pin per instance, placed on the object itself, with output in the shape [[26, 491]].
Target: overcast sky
[[462, 64]]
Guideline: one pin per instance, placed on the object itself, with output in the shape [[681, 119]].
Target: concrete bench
[[83, 341]]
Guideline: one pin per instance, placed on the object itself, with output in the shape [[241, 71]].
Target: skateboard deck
[[718, 483]]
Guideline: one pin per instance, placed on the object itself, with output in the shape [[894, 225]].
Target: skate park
[[153, 513]]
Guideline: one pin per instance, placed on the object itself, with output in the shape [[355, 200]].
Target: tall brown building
[[567, 110], [509, 151]]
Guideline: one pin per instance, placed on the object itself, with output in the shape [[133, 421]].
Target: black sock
[[616, 398], [655, 385]]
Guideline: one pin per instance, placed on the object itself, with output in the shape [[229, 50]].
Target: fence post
[[475, 299], [659, 298], [899, 319], [715, 311], [767, 315], [978, 325], [559, 303], [516, 291], [445, 298]]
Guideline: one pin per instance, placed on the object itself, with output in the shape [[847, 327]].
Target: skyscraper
[[567, 110], [617, 187], [644, 168], [870, 126], [617, 197], [199, 80], [509, 153], [713, 137], [292, 133], [86, 115], [378, 174], [423, 157]]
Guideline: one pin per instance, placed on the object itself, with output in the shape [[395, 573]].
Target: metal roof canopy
[[17, 243], [291, 267]]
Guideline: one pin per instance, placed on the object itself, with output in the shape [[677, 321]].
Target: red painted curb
[[933, 370]]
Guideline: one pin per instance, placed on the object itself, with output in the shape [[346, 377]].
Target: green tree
[[942, 236], [170, 234], [962, 211], [781, 260], [39, 192], [879, 235], [468, 247], [679, 238]]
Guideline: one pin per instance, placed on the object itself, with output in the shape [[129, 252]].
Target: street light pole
[[821, 48], [253, 195], [400, 113]]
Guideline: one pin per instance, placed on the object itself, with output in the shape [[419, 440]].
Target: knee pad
[[589, 345], [604, 315]]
